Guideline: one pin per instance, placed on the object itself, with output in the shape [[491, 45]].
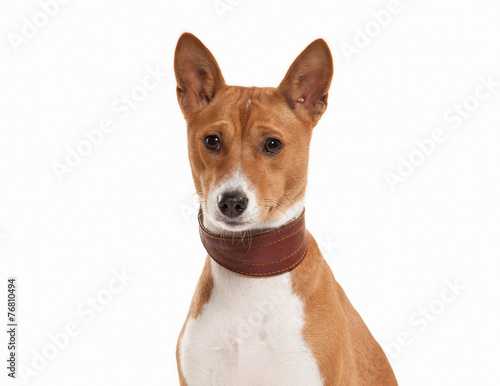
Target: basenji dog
[[267, 309]]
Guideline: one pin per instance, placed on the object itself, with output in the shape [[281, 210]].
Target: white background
[[130, 206]]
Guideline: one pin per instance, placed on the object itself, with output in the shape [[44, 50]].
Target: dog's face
[[248, 147]]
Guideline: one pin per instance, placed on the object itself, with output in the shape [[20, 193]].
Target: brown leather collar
[[264, 254]]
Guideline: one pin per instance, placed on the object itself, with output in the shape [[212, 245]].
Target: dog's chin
[[218, 223], [234, 225], [228, 225]]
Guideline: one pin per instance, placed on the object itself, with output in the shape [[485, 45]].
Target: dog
[[267, 309]]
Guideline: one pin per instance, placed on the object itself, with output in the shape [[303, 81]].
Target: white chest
[[249, 333]]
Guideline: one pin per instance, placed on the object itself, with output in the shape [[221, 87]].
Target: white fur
[[237, 181], [215, 220], [250, 331], [248, 334]]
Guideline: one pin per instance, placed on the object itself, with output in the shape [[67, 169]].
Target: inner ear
[[308, 80], [197, 73]]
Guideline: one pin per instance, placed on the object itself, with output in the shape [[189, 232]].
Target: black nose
[[232, 204]]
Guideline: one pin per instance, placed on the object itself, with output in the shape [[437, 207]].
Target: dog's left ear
[[197, 73], [307, 81]]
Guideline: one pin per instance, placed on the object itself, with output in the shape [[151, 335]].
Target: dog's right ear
[[197, 72]]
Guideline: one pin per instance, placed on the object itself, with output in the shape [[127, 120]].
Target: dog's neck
[[276, 250]]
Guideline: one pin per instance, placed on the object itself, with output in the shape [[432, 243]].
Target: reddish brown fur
[[243, 130], [346, 352], [343, 346]]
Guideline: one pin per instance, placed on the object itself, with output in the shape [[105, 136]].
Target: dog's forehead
[[247, 110], [246, 105], [250, 97]]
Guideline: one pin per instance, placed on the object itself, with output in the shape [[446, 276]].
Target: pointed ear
[[307, 81], [197, 73]]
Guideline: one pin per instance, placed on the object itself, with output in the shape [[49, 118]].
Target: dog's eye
[[212, 142], [273, 146]]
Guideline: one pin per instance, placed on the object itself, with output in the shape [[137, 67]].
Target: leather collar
[[268, 253]]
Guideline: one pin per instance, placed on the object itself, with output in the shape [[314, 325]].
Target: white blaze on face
[[215, 220]]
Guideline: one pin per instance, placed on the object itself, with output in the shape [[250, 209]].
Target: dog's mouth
[[219, 223], [233, 224]]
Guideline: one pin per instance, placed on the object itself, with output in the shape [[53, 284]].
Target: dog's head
[[248, 146]]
